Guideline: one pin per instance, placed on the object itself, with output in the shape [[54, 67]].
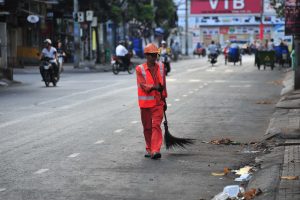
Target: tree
[[278, 5]]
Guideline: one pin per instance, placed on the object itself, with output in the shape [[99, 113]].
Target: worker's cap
[[48, 41], [150, 48]]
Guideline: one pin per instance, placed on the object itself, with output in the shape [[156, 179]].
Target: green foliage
[[278, 5]]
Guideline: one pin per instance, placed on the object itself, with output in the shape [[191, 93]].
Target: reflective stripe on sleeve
[[146, 97], [143, 71]]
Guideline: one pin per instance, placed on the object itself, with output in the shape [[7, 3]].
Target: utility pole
[[186, 29], [76, 35]]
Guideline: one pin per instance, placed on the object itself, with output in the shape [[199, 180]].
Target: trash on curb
[[247, 151], [290, 177], [244, 177], [236, 192], [250, 194], [225, 141], [243, 170], [230, 192], [225, 172], [264, 102]]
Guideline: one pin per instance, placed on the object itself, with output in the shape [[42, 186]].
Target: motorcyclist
[[165, 54], [213, 49], [51, 53], [122, 53]]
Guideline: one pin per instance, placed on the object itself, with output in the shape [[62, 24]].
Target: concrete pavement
[[279, 172]]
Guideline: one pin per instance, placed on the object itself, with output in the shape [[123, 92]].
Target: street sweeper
[[152, 93]]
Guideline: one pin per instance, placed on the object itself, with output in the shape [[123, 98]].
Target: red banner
[[225, 6]]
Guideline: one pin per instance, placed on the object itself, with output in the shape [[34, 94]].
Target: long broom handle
[[166, 120]]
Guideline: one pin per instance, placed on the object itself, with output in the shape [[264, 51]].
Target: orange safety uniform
[[151, 103]]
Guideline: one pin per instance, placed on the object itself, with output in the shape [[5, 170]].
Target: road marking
[[171, 79], [220, 81], [134, 122], [2, 189], [194, 80], [184, 95], [211, 70], [228, 71], [205, 83], [193, 70], [177, 99], [191, 92], [200, 87], [239, 86], [196, 89], [99, 142], [118, 130], [73, 155], [41, 171]]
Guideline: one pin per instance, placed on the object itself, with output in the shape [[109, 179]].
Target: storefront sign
[[225, 6]]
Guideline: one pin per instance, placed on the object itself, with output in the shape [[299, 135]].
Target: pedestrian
[[60, 54], [151, 82]]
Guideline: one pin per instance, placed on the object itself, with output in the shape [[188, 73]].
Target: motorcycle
[[48, 72], [118, 65], [213, 58], [165, 59]]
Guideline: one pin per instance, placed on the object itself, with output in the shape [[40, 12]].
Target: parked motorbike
[[118, 65], [213, 58], [48, 72], [165, 59]]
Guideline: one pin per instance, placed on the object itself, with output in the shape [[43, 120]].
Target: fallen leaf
[[227, 170], [290, 177]]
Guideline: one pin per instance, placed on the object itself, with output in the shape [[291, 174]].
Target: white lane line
[[171, 79], [205, 83], [194, 80], [184, 95], [41, 171], [200, 87], [74, 155], [191, 92], [169, 105], [134, 122], [196, 89], [211, 70], [2, 189], [194, 70], [118, 130], [177, 99], [228, 71], [239, 86], [99, 142], [220, 81]]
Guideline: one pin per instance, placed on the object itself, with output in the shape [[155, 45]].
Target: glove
[[158, 88]]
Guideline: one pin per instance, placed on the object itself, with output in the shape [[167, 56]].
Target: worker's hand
[[158, 88]]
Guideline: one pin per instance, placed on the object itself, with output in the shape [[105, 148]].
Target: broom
[[172, 141]]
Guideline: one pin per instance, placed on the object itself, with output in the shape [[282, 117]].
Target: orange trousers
[[151, 119]]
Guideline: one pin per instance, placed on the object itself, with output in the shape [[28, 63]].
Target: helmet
[[48, 41], [163, 42], [151, 48]]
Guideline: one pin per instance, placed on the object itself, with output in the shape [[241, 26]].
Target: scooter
[[213, 58], [165, 59], [48, 72], [118, 65]]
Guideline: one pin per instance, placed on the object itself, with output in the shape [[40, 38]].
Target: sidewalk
[[278, 177]]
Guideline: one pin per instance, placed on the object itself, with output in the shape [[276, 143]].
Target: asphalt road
[[82, 140]]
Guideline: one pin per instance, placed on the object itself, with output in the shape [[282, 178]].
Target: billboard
[[205, 7], [292, 17]]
